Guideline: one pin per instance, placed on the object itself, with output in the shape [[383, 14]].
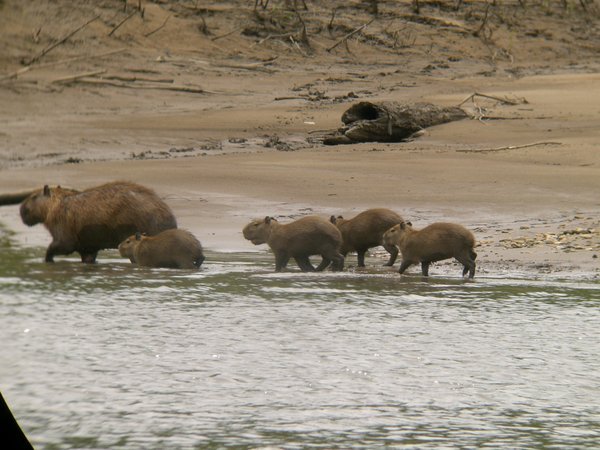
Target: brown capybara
[[300, 239], [433, 243], [97, 218], [175, 249], [365, 231]]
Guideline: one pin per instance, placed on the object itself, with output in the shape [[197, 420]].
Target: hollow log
[[390, 121], [14, 198]]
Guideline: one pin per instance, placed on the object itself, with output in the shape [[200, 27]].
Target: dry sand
[[239, 151]]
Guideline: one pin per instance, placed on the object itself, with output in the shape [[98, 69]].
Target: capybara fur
[[433, 243], [175, 249], [97, 218], [365, 231], [300, 239]]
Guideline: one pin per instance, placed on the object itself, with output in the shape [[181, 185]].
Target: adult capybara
[[365, 231], [176, 249], [97, 218], [435, 242], [300, 239]]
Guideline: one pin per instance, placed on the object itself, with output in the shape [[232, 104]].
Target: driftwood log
[[390, 121], [14, 198]]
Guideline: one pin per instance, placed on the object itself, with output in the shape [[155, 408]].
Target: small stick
[[122, 22], [72, 78], [62, 41], [349, 35], [134, 78], [491, 97], [223, 35], [159, 28], [509, 147]]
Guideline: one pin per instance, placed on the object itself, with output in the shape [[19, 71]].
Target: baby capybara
[[176, 249], [365, 231], [97, 218], [300, 239], [433, 243]]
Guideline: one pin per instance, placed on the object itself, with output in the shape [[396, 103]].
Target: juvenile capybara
[[365, 231], [97, 218], [300, 239], [175, 248], [433, 243]]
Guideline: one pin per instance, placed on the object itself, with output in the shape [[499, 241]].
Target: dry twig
[[117, 26], [491, 97], [133, 86], [349, 35], [72, 78], [62, 41], [159, 28], [508, 147]]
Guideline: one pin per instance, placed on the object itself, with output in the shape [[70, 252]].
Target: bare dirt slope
[[220, 107]]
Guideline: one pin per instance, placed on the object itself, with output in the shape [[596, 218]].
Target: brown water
[[113, 356]]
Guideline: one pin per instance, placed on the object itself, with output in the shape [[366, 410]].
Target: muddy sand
[[242, 137]]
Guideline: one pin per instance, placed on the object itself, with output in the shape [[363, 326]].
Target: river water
[[234, 355]]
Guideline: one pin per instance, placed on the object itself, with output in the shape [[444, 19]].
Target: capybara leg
[[468, 263], [53, 249], [304, 263], [338, 262], [281, 261], [89, 258], [323, 265], [405, 265], [361, 257], [393, 251], [425, 268]]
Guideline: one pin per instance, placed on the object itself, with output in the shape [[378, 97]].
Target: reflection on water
[[113, 356]]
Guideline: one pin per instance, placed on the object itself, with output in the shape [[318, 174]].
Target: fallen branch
[[122, 22], [508, 147], [159, 28], [349, 35], [491, 97], [260, 66], [133, 78], [62, 41], [72, 78], [132, 86], [22, 70]]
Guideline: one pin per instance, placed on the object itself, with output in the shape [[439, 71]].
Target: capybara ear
[[138, 236], [409, 224], [332, 219], [402, 225], [46, 190], [267, 220]]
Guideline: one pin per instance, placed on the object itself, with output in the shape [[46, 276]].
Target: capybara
[[300, 239], [175, 248], [97, 218], [365, 231], [433, 243]]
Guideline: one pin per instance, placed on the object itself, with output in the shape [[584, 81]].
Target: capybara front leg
[[281, 261], [393, 251], [89, 258], [405, 265], [425, 268], [361, 257]]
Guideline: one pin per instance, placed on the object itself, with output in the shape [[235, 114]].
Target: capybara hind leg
[[425, 268], [361, 257], [304, 263], [54, 249], [323, 265], [393, 251]]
